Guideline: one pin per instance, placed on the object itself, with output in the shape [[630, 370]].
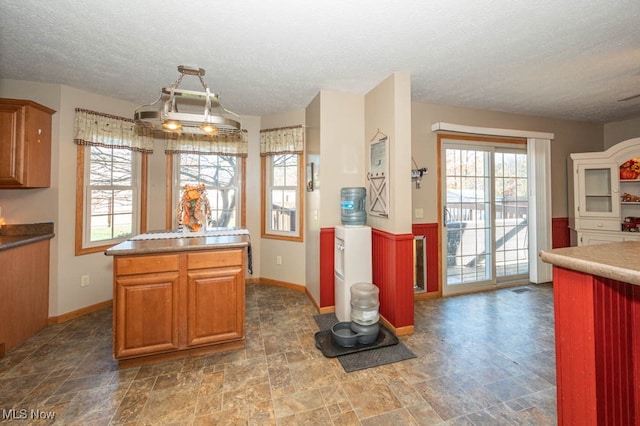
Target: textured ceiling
[[567, 59]]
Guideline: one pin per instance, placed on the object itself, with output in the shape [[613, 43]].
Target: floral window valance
[[95, 128], [235, 144], [284, 140]]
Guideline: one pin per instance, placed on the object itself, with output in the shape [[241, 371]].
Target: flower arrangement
[[194, 210], [630, 169]]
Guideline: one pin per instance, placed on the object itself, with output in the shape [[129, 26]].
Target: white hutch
[[604, 192]]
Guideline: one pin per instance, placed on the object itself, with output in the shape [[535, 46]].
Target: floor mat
[[386, 350]]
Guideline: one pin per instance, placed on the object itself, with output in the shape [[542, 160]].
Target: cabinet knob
[[600, 225]]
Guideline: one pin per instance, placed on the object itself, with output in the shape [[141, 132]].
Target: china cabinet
[[25, 144], [604, 194]]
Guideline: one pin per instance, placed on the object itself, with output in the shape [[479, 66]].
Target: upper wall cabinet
[[25, 144], [604, 194]]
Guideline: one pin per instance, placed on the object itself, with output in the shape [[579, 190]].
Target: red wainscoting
[[327, 267], [392, 264], [430, 231], [393, 274], [560, 232], [597, 323]]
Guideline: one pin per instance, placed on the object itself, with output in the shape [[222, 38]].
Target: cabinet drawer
[[600, 224], [146, 264], [214, 259]]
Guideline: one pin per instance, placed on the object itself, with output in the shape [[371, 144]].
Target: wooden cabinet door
[[12, 153], [25, 144], [215, 305], [38, 148], [146, 314]]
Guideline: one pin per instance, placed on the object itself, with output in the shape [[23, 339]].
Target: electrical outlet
[[278, 260], [84, 281]]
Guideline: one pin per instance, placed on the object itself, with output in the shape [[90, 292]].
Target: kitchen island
[[597, 326], [177, 295]]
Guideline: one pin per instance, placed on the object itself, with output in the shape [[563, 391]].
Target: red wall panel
[[597, 324], [327, 242], [392, 264], [560, 232], [393, 274]]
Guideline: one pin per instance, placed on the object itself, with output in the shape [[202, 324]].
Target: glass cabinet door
[[599, 190]]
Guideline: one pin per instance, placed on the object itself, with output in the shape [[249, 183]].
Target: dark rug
[[386, 349]]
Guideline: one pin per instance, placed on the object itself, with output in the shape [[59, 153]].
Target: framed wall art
[[378, 175]]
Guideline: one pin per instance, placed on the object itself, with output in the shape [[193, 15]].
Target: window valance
[[283, 140], [95, 128], [235, 144]]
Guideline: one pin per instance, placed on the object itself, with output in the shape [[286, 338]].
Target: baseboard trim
[[80, 312], [284, 284], [398, 331], [431, 295]]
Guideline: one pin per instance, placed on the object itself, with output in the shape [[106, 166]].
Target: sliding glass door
[[484, 219]]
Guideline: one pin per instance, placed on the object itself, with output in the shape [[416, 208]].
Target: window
[[281, 196], [109, 194], [222, 176], [282, 177], [111, 185]]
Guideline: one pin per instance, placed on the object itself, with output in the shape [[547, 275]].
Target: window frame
[[173, 192], [266, 165], [83, 163]]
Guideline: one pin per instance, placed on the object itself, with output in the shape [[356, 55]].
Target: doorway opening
[[485, 207]]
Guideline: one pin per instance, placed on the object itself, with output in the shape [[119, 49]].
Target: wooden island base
[[186, 353], [177, 297]]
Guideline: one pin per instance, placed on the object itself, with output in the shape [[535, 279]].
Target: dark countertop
[[12, 236], [186, 243]]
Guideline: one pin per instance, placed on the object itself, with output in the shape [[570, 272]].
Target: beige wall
[[57, 203], [312, 200], [620, 131], [292, 269], [388, 110], [339, 126], [570, 136], [335, 137], [341, 146]]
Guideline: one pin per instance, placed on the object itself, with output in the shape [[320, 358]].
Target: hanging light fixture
[[187, 111]]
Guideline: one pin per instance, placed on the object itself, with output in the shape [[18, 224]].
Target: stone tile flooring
[[482, 359]]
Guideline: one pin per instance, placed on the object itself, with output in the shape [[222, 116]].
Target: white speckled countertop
[[170, 241], [617, 261]]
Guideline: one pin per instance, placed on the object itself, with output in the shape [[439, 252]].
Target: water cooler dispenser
[[352, 265]]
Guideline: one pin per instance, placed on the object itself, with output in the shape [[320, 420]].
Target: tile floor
[[482, 359]]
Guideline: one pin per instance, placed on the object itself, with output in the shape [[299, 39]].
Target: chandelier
[[187, 111]]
